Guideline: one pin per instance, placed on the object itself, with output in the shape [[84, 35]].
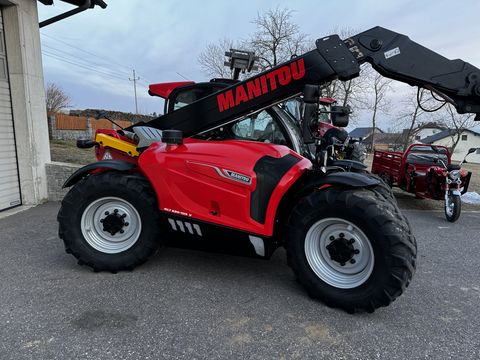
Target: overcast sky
[[91, 55]]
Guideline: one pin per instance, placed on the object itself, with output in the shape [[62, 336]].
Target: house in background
[[422, 131], [468, 139], [385, 141], [364, 132], [378, 138], [396, 141]]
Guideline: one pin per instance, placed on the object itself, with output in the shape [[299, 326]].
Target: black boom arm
[[391, 54], [397, 57]]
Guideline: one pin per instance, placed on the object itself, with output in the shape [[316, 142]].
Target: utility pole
[[135, 79]]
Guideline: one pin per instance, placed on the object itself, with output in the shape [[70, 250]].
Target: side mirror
[[340, 115], [472, 150]]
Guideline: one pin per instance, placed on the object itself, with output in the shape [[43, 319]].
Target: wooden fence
[[68, 122]]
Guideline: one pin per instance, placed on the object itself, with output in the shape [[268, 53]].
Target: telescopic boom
[[391, 54]]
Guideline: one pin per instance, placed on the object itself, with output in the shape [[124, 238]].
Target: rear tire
[[384, 249], [110, 221], [359, 152], [453, 207]]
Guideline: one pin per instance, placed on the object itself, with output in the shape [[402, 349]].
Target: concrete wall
[[22, 39], [57, 174]]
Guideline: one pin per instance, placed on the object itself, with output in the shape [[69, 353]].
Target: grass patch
[[67, 151]]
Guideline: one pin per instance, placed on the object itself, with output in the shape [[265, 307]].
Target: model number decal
[[178, 212], [391, 53]]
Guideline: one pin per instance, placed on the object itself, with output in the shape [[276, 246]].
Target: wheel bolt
[[107, 213], [352, 261], [101, 220], [342, 235], [121, 232], [356, 251], [352, 241], [123, 216], [332, 238], [115, 211], [126, 224], [342, 264]]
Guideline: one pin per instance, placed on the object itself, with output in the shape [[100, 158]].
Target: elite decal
[[238, 177]]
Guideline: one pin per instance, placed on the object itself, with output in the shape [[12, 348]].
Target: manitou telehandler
[[346, 240]]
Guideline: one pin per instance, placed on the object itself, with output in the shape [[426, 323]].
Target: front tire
[[453, 207], [110, 221], [351, 248]]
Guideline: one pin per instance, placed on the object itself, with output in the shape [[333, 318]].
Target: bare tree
[[457, 123], [212, 59], [56, 98], [414, 106], [379, 102], [277, 38]]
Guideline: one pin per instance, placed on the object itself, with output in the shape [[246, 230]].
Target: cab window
[[259, 127]]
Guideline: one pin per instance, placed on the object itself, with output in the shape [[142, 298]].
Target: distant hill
[[114, 115]]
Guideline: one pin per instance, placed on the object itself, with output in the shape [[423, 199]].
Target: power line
[[85, 51], [108, 61], [54, 56], [149, 81], [72, 57]]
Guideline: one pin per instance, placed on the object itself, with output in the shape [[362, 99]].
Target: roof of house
[[362, 132], [385, 138], [443, 134], [430, 125]]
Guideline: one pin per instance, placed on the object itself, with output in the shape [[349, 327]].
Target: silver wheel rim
[[353, 273], [103, 241]]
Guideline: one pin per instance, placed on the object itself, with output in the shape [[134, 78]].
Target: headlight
[[454, 174]]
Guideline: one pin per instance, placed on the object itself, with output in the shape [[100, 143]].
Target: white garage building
[[24, 146]]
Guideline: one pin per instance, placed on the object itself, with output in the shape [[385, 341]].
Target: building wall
[[22, 39], [473, 141], [426, 132]]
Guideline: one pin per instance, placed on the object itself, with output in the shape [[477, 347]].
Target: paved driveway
[[193, 305]]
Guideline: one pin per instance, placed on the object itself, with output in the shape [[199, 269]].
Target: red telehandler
[[346, 240]]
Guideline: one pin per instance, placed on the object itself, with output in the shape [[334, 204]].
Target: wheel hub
[[341, 250], [114, 222]]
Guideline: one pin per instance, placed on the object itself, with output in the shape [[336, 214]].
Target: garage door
[[9, 184]]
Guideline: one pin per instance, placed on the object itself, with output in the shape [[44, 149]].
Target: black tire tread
[[132, 182], [377, 208], [457, 209]]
